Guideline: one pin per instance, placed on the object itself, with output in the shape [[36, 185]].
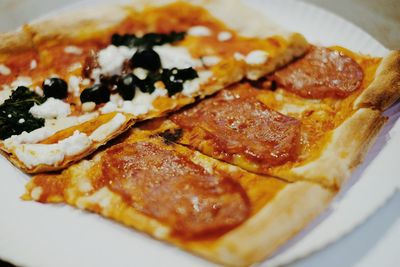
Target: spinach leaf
[[14, 113]]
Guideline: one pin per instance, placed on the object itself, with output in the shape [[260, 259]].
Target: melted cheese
[[5, 94], [35, 154], [28, 138], [292, 108], [63, 123], [75, 144], [107, 129], [75, 66], [224, 36], [51, 127], [4, 70], [71, 49], [52, 108], [256, 57], [22, 81], [88, 106], [36, 192], [111, 60], [33, 64], [52, 154], [176, 57], [210, 61], [199, 31], [141, 73], [193, 86], [74, 85], [108, 107], [142, 102]]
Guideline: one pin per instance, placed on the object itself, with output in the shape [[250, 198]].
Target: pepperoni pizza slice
[[172, 193], [312, 120], [90, 72]]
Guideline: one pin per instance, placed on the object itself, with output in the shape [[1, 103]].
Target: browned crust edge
[[346, 149], [79, 24], [14, 42], [385, 88], [289, 212]]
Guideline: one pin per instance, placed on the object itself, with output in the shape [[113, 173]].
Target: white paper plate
[[33, 234]]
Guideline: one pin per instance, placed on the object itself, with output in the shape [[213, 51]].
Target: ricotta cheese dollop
[[176, 57], [105, 130], [52, 108], [4, 70], [199, 31], [51, 154], [256, 57]]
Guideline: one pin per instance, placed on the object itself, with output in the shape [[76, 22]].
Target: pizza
[[295, 123], [216, 210], [220, 132], [86, 78]]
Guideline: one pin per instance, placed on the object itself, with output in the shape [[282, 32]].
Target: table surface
[[374, 243]]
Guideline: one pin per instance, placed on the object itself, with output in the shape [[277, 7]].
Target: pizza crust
[[385, 88], [290, 211], [234, 13], [79, 24], [348, 145], [14, 42]]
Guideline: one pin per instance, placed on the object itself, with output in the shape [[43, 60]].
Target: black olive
[[185, 74], [147, 59], [124, 40], [110, 81], [117, 39], [147, 40], [98, 93], [147, 85], [172, 84], [55, 87], [126, 86], [173, 87]]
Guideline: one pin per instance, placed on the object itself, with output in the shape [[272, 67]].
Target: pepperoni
[[237, 123], [321, 73], [169, 187]]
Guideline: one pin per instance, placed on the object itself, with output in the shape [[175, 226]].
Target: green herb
[[14, 113], [147, 40]]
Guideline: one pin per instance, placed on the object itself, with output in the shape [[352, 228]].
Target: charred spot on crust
[[264, 84], [171, 135]]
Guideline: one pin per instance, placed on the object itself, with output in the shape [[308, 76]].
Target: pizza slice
[[175, 194], [312, 120], [137, 64]]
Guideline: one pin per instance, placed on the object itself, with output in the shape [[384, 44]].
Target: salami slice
[[171, 188], [321, 73], [238, 124]]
